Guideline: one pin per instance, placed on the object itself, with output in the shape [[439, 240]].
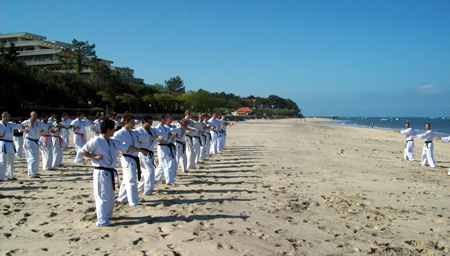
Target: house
[[243, 111]]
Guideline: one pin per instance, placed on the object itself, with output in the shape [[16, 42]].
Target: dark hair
[[44, 115], [127, 118], [161, 117], [105, 125], [98, 115], [408, 123], [428, 124], [147, 118], [79, 113]]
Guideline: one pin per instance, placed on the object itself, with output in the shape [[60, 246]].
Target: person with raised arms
[[103, 151]]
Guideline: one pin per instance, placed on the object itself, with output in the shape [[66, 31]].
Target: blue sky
[[345, 58]]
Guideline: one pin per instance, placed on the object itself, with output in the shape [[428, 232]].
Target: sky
[[343, 58]]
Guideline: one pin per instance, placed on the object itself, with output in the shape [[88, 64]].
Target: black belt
[[37, 141], [171, 147], [184, 145], [198, 137], [409, 140], [150, 152], [428, 142], [112, 171], [199, 140], [138, 165]]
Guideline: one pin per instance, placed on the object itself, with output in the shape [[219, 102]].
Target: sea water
[[439, 125]]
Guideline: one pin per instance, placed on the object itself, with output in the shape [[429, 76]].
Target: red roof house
[[243, 111]]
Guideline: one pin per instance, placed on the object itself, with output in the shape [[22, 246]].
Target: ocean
[[439, 125]]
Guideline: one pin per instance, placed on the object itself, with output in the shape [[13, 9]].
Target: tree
[[78, 55], [127, 98], [175, 85]]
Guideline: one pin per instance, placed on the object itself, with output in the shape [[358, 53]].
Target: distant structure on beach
[[35, 51], [243, 111]]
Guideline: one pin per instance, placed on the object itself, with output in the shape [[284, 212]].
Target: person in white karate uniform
[[95, 126], [32, 130], [147, 137], [428, 147], [103, 151], [79, 137], [180, 144], [57, 141], [7, 148], [205, 139], [206, 149], [214, 131], [193, 140], [409, 134], [166, 153], [18, 139], [445, 140], [46, 144], [130, 163], [65, 126]]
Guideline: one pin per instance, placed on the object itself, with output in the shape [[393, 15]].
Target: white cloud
[[428, 89]]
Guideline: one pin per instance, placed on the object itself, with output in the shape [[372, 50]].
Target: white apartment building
[[35, 51]]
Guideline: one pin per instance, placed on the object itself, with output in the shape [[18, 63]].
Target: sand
[[280, 187]]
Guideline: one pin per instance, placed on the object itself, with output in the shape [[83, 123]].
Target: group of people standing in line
[[183, 145], [428, 147]]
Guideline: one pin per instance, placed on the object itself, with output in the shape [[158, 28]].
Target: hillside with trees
[[65, 89]]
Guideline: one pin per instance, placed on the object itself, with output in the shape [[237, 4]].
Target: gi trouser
[[427, 154], [78, 140], [6, 161], [104, 196], [408, 152], [181, 156], [32, 154], [18, 143], [147, 182], [46, 146], [128, 189], [57, 151], [167, 164], [214, 142]]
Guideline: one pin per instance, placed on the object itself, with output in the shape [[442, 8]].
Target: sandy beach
[[280, 187]]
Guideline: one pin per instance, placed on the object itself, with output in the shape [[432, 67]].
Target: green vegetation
[[24, 89]]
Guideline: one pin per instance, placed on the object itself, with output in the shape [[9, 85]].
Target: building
[[242, 111], [35, 51]]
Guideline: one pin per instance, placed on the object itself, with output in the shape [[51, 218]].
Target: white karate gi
[[147, 183], [79, 137], [428, 147], [128, 189], [223, 135], [193, 147], [58, 143], [180, 144], [408, 152], [18, 142], [445, 139], [103, 187], [166, 156], [95, 127], [31, 145], [214, 147], [46, 147], [65, 132], [7, 148]]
